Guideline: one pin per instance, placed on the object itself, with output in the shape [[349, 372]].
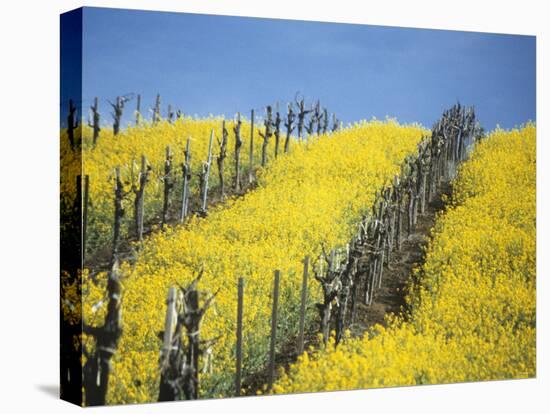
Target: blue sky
[[206, 64]]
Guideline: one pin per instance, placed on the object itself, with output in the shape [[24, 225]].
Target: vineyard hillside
[[473, 314]]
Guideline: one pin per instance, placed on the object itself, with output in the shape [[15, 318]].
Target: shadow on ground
[[49, 389]]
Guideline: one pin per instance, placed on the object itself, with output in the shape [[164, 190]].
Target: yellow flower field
[[473, 316], [125, 150], [316, 194]]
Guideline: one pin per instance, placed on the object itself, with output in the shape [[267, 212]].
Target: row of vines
[[472, 316]]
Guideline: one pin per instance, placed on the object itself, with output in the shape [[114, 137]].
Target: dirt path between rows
[[390, 298]]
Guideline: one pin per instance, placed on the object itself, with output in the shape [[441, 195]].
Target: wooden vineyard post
[[382, 229], [427, 171], [168, 184], [170, 114], [419, 177], [156, 111], [238, 145], [368, 274], [251, 153], [335, 123], [85, 213], [378, 244], [138, 110], [220, 159], [325, 120], [95, 121], [424, 166], [303, 301], [356, 252], [441, 158], [239, 350], [273, 329], [391, 223], [118, 107], [139, 204], [470, 134], [289, 124], [440, 161], [119, 209], [399, 203], [396, 196], [186, 180], [310, 127], [462, 136], [417, 171], [301, 117], [388, 226], [411, 200], [267, 135], [193, 326], [437, 153], [447, 161], [432, 169], [376, 258], [277, 133], [170, 345], [373, 236], [169, 324], [318, 117], [465, 134], [72, 123], [202, 181], [207, 174]]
